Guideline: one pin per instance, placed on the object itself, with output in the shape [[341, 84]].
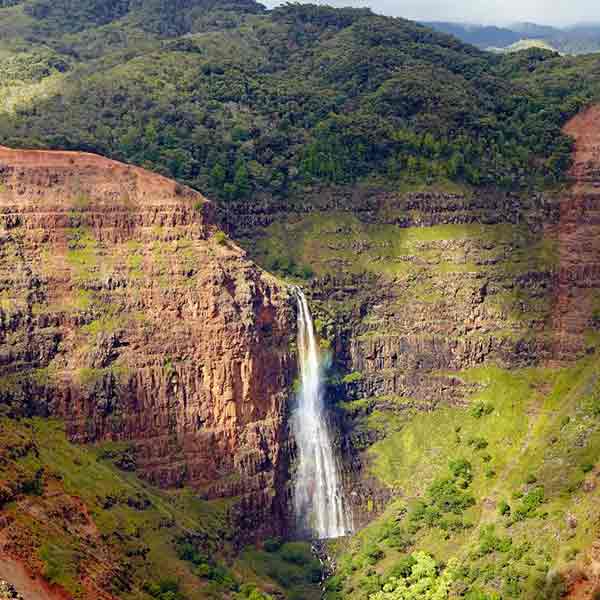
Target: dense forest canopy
[[234, 100]]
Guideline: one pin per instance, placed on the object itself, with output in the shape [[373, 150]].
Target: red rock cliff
[[126, 311], [577, 309]]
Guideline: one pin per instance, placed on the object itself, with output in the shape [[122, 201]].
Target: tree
[[241, 180], [217, 176], [425, 581]]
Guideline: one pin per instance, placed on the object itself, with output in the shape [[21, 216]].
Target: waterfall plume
[[318, 493]]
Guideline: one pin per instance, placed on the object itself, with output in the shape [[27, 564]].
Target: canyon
[[412, 289], [127, 312]]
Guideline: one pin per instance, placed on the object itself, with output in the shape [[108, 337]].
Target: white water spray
[[318, 494]]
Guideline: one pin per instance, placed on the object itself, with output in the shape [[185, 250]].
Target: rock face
[[414, 288], [126, 311], [577, 306]]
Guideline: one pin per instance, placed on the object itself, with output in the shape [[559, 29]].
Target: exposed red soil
[[29, 586], [82, 172], [579, 239]]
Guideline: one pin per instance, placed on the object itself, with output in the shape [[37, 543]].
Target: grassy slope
[[88, 474], [326, 241], [84, 519], [543, 431]]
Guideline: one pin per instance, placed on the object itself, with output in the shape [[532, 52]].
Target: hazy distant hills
[[578, 39]]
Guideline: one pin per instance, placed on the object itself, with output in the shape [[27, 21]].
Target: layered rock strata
[[127, 312], [576, 315], [414, 288]]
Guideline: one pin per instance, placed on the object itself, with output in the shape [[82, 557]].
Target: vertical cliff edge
[[125, 311]]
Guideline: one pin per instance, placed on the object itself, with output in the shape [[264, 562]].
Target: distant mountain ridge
[[482, 36], [577, 39]]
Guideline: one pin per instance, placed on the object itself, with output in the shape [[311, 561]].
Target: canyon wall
[[412, 288], [576, 313], [127, 312]]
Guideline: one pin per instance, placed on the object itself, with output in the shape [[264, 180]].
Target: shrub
[[529, 504], [203, 570], [592, 404], [512, 585], [305, 272], [334, 584], [426, 580], [223, 577], [479, 595], [34, 486], [571, 554], [352, 377], [503, 508], [220, 238], [553, 587], [273, 544], [296, 553], [481, 409], [373, 554], [489, 542], [478, 443], [399, 539], [188, 551], [403, 568], [165, 589], [461, 469], [446, 496], [454, 525], [251, 592]]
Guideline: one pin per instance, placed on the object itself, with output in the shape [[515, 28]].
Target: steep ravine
[[414, 288], [460, 323]]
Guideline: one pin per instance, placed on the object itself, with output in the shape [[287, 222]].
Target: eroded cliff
[[412, 289], [126, 311]]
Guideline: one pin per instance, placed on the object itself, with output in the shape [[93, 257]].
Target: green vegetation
[[454, 510], [481, 409], [220, 238], [167, 589], [352, 377], [340, 242], [446, 499], [237, 101], [247, 105], [155, 544], [291, 567], [426, 581]]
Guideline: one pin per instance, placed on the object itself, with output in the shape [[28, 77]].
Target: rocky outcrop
[[577, 307], [8, 591], [126, 311]]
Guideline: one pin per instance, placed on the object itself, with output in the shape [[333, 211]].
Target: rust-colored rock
[[579, 239], [126, 311]]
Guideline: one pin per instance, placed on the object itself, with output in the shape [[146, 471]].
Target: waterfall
[[318, 494]]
